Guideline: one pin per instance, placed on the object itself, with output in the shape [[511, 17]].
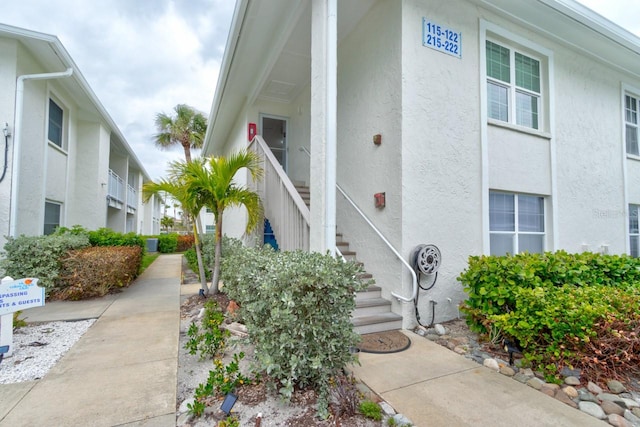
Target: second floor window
[[631, 124], [513, 86], [55, 123]]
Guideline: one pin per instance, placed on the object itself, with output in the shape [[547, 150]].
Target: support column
[[323, 125]]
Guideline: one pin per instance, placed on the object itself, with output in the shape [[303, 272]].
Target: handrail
[[283, 205], [384, 239]]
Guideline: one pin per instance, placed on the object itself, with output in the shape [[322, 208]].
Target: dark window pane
[[55, 123]]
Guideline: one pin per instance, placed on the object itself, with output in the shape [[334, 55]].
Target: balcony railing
[[115, 194], [132, 199], [283, 206]]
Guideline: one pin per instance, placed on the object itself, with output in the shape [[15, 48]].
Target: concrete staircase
[[373, 313]]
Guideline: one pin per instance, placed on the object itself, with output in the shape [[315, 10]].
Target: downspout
[[331, 123], [17, 139]]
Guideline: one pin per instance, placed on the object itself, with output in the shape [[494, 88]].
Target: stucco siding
[[519, 161], [441, 157], [589, 153], [8, 63], [369, 103]]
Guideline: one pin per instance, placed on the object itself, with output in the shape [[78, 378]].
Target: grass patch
[[147, 259]]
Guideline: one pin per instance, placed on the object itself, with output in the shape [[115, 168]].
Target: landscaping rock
[[566, 372], [564, 398], [586, 396], [618, 421], [491, 364], [592, 409], [440, 330], [616, 387], [535, 383], [401, 420], [572, 381], [628, 415], [570, 391], [612, 408], [387, 409], [594, 388], [505, 370]]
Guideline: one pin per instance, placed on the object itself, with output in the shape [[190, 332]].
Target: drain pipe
[[17, 139]]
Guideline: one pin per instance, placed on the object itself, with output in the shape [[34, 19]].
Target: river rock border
[[616, 405]]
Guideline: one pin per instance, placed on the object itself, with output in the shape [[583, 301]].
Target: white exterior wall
[[369, 103], [441, 157], [8, 55]]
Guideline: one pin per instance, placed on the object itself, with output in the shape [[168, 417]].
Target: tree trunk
[[187, 152], [203, 277], [216, 262]]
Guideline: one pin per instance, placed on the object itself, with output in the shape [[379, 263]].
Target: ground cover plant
[[564, 310]]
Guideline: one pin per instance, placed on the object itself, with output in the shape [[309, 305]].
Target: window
[[516, 223], [209, 210], [634, 233], [210, 229], [51, 217], [631, 124], [55, 123], [513, 86]]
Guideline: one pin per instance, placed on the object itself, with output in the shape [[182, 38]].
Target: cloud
[[140, 57]]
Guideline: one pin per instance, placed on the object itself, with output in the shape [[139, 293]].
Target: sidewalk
[[122, 372], [433, 386]]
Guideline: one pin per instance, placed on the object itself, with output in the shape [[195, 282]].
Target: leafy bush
[[555, 304], [297, 307], [211, 338], [108, 237], [185, 242], [39, 256], [167, 243], [96, 271]]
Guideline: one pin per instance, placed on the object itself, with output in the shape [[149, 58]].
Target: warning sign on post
[[19, 295]]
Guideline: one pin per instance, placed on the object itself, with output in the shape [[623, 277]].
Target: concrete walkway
[[434, 386], [122, 372]]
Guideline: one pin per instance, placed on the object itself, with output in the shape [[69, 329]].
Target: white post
[[6, 326], [323, 125]]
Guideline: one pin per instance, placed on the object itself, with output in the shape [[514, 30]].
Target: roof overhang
[[268, 39]]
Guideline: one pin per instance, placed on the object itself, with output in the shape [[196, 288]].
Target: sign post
[[16, 295]]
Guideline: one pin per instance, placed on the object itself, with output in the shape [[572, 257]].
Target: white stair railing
[[283, 206], [414, 278]]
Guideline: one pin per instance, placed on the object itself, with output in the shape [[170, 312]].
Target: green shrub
[[39, 256], [297, 307], [108, 237], [371, 410], [553, 304], [167, 243], [96, 271]]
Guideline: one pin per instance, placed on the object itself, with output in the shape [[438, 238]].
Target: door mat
[[384, 342]]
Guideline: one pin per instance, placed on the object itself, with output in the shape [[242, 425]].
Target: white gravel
[[37, 348]]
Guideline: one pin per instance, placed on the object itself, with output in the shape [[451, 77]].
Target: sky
[[143, 57]]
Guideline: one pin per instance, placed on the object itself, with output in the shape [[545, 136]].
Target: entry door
[[274, 132]]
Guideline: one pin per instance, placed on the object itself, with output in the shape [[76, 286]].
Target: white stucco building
[[491, 126], [66, 161]]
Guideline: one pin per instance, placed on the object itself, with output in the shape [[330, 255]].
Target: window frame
[[634, 212], [45, 224], [209, 229], [60, 126], [636, 99], [512, 87], [518, 230]]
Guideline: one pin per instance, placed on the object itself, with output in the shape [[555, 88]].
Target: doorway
[[274, 132]]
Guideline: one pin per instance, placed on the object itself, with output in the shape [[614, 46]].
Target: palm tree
[[212, 179], [186, 128], [192, 204]]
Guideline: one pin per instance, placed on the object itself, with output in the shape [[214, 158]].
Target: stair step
[[371, 292], [378, 323], [371, 306]]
